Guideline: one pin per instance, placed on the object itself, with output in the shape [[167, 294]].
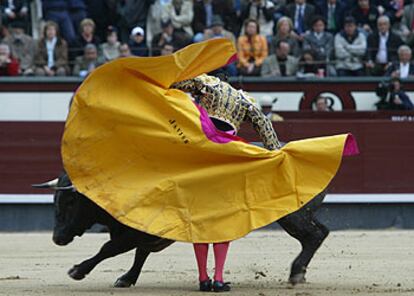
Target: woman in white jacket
[[181, 14]]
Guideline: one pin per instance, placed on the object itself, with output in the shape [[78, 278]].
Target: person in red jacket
[[8, 65]]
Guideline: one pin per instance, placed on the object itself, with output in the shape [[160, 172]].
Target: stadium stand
[[318, 26]]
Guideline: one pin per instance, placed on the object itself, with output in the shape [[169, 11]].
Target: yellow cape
[[137, 149]]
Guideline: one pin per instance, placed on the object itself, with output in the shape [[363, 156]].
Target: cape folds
[[148, 156]]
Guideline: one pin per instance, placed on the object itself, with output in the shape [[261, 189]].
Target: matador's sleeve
[[190, 85], [200, 87], [263, 127]]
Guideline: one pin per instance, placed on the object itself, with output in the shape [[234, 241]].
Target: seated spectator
[[9, 66], [301, 13], [15, 11], [137, 42], [131, 14], [365, 16], [407, 24], [77, 12], [167, 49], [404, 67], [180, 13], [284, 31], [216, 30], [169, 35], [307, 66], [382, 47], [350, 46], [87, 30], [205, 10], [320, 42], [58, 12], [124, 51], [334, 12], [252, 49], [88, 62], [51, 57], [399, 100], [22, 47], [280, 63], [262, 11], [110, 49], [321, 104]]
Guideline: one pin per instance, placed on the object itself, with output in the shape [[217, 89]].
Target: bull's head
[[71, 213]]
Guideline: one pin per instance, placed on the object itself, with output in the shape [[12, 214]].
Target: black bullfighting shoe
[[205, 286], [221, 287]]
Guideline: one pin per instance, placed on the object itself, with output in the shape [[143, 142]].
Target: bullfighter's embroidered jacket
[[232, 106]]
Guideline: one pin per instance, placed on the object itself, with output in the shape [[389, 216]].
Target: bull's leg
[[311, 233], [131, 277], [116, 246]]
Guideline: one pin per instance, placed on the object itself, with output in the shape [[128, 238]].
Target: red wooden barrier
[[30, 152]]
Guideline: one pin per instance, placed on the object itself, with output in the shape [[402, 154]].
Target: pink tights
[[220, 254]]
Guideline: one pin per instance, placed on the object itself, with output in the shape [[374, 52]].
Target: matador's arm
[[263, 127], [189, 85], [199, 87]]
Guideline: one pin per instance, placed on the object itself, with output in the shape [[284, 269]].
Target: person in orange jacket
[[252, 49]]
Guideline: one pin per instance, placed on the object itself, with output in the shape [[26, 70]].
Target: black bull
[[75, 213]]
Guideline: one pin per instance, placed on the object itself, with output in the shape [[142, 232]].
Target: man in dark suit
[[382, 47], [404, 67], [333, 12], [365, 15], [301, 13], [204, 10], [103, 13], [58, 11]]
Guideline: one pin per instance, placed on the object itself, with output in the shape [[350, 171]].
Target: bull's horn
[[49, 184], [71, 187]]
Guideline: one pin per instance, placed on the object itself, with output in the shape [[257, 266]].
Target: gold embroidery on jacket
[[232, 106]]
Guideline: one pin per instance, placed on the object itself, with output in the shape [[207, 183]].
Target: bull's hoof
[[123, 283], [75, 274], [298, 278]]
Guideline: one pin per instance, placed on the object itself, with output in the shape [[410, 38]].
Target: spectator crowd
[[297, 38]]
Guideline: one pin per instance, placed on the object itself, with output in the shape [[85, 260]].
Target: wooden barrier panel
[[30, 153]]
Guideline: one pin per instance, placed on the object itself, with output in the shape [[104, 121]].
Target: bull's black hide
[[75, 213]]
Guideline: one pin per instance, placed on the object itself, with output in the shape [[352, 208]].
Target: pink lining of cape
[[351, 146], [211, 132]]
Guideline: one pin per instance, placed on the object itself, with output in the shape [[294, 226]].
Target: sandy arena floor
[[349, 263]]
